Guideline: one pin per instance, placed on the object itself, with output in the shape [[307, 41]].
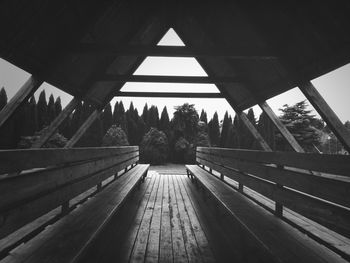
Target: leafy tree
[[164, 121], [214, 130], [56, 141], [115, 136], [202, 138], [298, 121], [107, 117], [185, 121], [3, 98], [51, 109], [203, 117], [154, 147], [42, 111], [181, 148], [225, 129]]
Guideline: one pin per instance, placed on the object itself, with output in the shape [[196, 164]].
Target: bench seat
[[66, 240], [281, 240]]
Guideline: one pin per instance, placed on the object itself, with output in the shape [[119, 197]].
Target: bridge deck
[[166, 219]]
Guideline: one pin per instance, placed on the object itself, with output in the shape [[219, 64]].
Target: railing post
[[65, 208], [279, 206], [99, 187], [240, 187]]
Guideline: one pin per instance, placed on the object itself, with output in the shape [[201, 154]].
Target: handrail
[[285, 178], [64, 174]]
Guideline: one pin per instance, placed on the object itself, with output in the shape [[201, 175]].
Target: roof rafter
[[169, 79], [173, 51]]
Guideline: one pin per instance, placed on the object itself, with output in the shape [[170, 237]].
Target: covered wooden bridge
[[101, 205]]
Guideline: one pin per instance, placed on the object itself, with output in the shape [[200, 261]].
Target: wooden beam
[[169, 79], [257, 136], [83, 128], [169, 95], [28, 88], [281, 128], [327, 114], [56, 123], [173, 51]]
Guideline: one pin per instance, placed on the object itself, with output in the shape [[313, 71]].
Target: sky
[[333, 86]]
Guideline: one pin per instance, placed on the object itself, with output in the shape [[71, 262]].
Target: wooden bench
[[284, 242], [54, 177]]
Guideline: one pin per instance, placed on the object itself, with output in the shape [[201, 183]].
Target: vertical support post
[[282, 128], [263, 144], [65, 208], [327, 114], [83, 128], [99, 187], [56, 123], [240, 187], [28, 88]]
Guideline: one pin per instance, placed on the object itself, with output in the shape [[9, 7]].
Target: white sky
[[334, 86]]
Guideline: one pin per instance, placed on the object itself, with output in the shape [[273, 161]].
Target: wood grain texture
[[269, 230]]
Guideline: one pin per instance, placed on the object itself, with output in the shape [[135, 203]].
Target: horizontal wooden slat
[[169, 94], [334, 217], [25, 186], [327, 163], [170, 79], [333, 190], [18, 160], [20, 215], [171, 51]]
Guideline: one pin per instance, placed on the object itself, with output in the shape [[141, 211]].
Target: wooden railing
[[36, 181], [316, 186]]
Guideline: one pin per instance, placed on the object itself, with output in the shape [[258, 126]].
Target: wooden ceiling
[[252, 50]]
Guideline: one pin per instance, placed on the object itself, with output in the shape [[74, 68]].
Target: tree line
[[160, 137]]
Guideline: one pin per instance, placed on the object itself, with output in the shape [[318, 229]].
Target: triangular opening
[[171, 39], [170, 66]]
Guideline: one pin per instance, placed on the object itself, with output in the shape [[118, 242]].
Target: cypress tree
[[164, 120], [203, 117], [214, 130], [7, 131], [225, 129], [42, 110], [115, 112], [107, 118], [237, 141], [51, 109], [58, 106], [248, 137], [153, 117], [121, 117], [3, 98], [267, 130], [32, 116], [145, 114]]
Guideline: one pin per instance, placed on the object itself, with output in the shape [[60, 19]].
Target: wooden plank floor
[[168, 219]]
